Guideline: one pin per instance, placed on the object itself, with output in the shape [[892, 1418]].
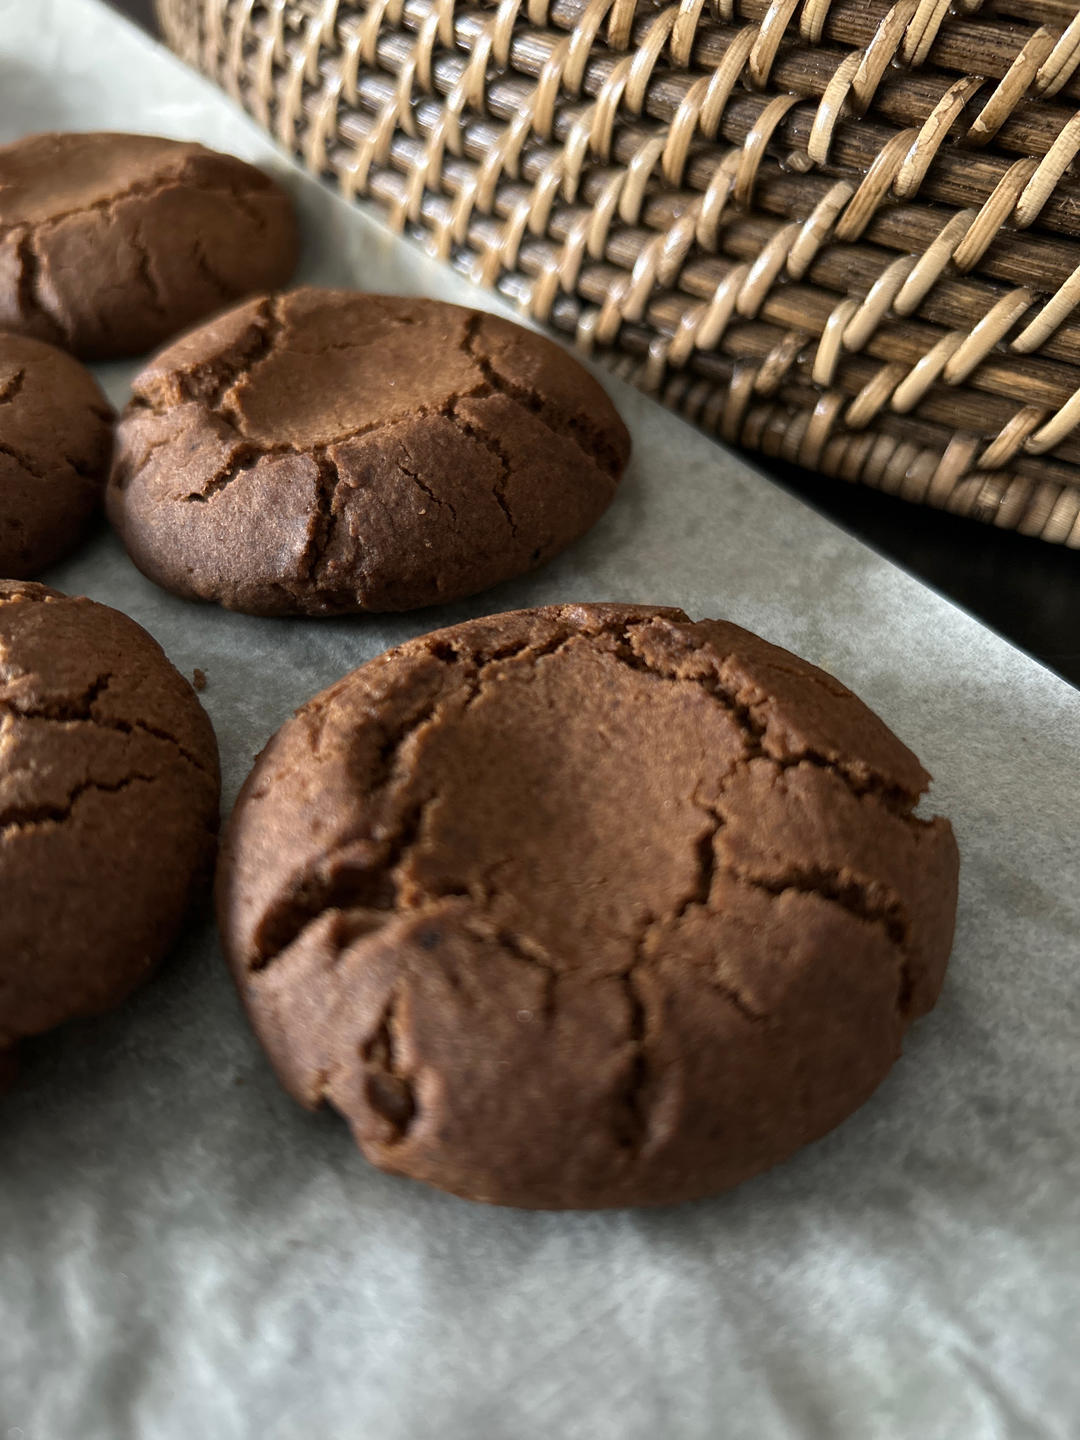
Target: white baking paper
[[187, 1255]]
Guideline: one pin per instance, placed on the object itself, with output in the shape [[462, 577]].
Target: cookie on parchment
[[108, 807], [111, 243], [55, 444], [324, 451], [585, 906]]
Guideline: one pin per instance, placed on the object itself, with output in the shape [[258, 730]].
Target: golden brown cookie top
[[111, 243], [108, 805], [588, 905], [326, 451], [55, 444]]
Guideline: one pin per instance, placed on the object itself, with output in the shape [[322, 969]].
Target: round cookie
[[110, 244], [55, 444], [585, 906], [108, 807], [324, 451]]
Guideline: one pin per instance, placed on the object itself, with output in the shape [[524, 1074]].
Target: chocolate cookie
[[586, 906], [108, 806], [55, 443], [110, 244], [322, 452]]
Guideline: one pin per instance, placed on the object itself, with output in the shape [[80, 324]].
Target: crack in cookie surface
[[23, 460], [25, 816], [141, 190], [589, 438], [12, 388], [389, 1088], [322, 886], [79, 710]]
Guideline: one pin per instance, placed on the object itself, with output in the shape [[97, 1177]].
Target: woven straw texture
[[842, 232]]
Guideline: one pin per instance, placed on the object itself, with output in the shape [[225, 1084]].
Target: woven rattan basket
[[843, 232]]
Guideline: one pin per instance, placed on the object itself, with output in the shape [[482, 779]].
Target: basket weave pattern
[[843, 232]]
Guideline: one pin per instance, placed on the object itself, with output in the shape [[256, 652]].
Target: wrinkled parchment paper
[[184, 1253]]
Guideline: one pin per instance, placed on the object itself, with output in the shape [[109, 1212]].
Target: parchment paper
[[184, 1253]]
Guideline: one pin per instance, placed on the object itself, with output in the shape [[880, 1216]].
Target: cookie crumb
[[198, 679]]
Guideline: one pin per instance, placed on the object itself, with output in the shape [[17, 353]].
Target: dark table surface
[[1026, 589]]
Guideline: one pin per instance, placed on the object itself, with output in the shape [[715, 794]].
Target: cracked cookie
[[110, 244], [108, 807], [322, 452], [585, 906], [55, 443]]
